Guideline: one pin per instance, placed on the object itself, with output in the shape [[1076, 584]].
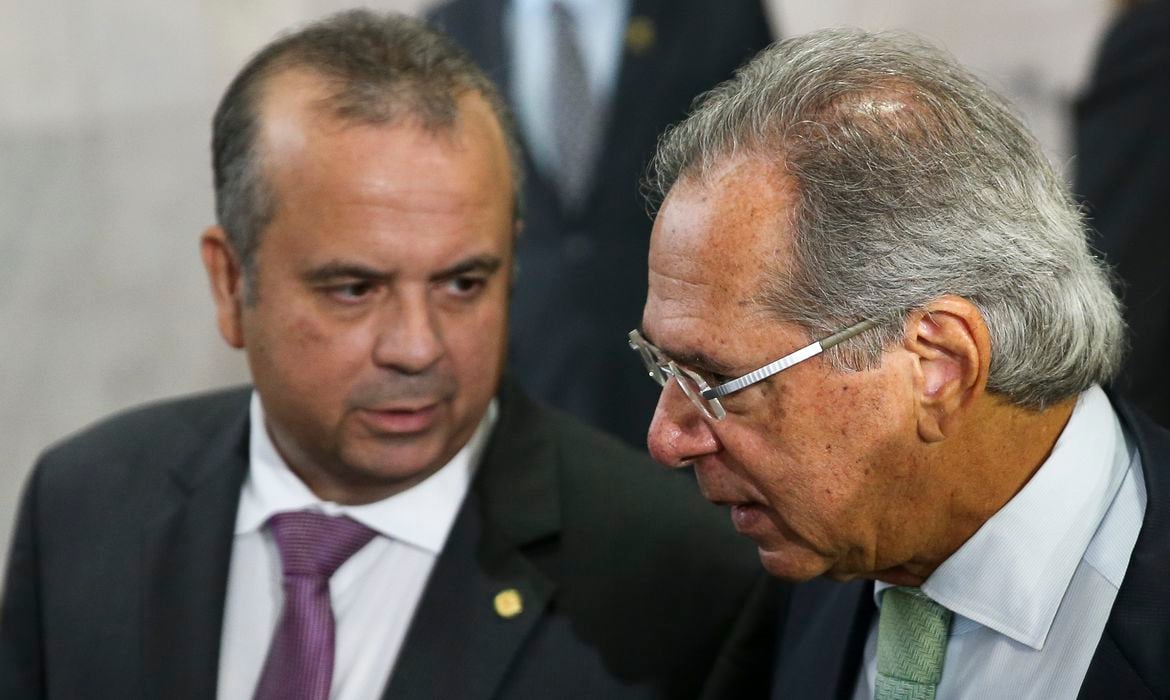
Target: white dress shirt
[[600, 28], [1032, 589], [374, 593]]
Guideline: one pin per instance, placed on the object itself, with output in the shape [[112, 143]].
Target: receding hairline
[[775, 231], [890, 105], [306, 95]]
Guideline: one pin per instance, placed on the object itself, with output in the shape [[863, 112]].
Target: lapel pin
[[639, 35], [508, 603]]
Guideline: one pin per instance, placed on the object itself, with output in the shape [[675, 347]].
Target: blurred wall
[[105, 179]]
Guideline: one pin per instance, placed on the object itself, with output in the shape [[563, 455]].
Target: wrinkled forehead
[[718, 237]]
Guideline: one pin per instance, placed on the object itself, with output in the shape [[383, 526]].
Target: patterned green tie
[[912, 641]]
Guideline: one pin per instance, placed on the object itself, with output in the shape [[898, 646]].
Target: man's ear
[[951, 348], [227, 283]]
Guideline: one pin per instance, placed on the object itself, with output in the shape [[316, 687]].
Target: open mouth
[[401, 420]]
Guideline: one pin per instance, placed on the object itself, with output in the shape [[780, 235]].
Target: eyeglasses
[[661, 368]]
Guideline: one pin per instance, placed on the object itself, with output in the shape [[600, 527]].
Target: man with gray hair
[[382, 514], [933, 437]]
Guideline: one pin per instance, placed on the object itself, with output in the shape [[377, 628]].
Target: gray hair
[[912, 181], [379, 69]]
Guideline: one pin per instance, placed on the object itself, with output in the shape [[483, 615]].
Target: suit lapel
[[822, 640], [186, 554], [642, 59], [635, 94], [458, 646], [1133, 652], [464, 637], [1111, 675]]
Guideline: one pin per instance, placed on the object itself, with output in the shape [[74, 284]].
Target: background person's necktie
[[576, 112], [912, 643], [312, 545]]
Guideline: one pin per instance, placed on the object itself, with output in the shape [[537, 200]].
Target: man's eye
[[353, 291], [465, 286], [712, 378]]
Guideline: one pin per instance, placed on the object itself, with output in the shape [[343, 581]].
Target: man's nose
[[409, 337], [679, 434]]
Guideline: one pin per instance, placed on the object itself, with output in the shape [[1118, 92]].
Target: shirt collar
[[421, 516], [1012, 574]]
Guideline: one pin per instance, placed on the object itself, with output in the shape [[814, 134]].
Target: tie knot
[[315, 544], [912, 642]]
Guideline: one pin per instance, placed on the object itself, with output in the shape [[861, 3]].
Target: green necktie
[[912, 641]]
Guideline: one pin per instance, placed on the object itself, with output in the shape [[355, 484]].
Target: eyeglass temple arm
[[842, 336], [788, 360]]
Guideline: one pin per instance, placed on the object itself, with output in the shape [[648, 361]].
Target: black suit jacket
[[825, 624], [1123, 175], [119, 567], [582, 274]]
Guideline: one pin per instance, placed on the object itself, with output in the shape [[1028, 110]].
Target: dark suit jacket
[[825, 624], [582, 275], [1123, 175], [118, 571]]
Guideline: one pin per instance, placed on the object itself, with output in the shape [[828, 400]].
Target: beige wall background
[[105, 179]]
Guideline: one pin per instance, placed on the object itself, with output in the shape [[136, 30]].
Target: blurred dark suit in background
[[583, 266], [1123, 174]]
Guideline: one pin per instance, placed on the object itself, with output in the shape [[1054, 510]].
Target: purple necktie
[[312, 546]]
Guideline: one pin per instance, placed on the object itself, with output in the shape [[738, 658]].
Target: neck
[[972, 474]]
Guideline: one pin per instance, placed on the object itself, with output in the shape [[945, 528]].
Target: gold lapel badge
[[640, 35], [508, 603]]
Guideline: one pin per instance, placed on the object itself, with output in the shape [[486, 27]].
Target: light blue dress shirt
[[600, 27], [1032, 589]]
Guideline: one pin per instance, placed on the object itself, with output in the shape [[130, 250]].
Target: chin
[[793, 566], [402, 464]]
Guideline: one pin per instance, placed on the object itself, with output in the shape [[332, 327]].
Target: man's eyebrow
[[692, 359], [480, 263], [338, 269]]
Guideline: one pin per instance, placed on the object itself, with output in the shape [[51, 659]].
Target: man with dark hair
[[382, 515], [882, 339]]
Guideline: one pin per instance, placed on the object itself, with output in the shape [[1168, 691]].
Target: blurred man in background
[[866, 211], [382, 515], [1123, 175], [593, 84]]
